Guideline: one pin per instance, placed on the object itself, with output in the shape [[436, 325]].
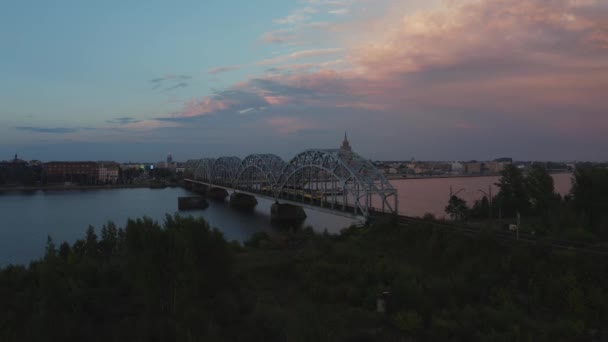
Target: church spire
[[345, 144]]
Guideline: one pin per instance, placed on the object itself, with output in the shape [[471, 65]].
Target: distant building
[[345, 144], [473, 168], [18, 171], [457, 168], [442, 167], [73, 172], [108, 172], [169, 162], [392, 171]]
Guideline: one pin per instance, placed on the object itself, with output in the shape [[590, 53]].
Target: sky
[[131, 80]]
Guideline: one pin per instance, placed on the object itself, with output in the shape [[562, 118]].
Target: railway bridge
[[337, 181]]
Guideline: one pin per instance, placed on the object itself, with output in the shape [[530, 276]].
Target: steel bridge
[[336, 180]]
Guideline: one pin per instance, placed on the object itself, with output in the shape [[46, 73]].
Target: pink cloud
[[533, 61], [288, 125], [148, 125], [299, 55], [276, 100], [201, 107]]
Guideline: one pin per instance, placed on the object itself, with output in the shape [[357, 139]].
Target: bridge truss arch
[[224, 170], [336, 179], [344, 177], [260, 172], [202, 169]]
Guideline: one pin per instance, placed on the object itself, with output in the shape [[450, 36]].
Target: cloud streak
[[170, 82], [300, 55], [122, 120], [51, 130], [223, 69]]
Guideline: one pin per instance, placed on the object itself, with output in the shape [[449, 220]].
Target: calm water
[[420, 196], [27, 219]]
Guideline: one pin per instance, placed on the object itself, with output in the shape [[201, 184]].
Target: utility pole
[[518, 224], [490, 200], [489, 196]]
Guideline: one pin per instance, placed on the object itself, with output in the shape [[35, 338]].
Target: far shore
[[404, 177], [61, 187]]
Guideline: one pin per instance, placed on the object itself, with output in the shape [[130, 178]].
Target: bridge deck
[[310, 203]]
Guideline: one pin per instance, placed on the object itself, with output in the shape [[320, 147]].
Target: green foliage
[[181, 281], [457, 208], [512, 196], [590, 198], [481, 209], [257, 239], [146, 280], [540, 188], [429, 217]]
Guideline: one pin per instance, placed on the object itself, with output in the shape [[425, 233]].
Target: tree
[[512, 197], [91, 243], [590, 196], [64, 251], [540, 189], [457, 208], [481, 209], [50, 250]]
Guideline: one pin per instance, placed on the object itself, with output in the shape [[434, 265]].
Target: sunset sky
[[431, 79]]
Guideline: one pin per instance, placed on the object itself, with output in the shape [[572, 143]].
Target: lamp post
[[455, 193]]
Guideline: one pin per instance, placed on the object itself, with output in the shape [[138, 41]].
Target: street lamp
[[455, 193]]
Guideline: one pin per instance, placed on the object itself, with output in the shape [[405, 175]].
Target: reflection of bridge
[[330, 180]]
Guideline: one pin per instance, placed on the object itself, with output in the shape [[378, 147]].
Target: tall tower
[[169, 160], [345, 144]]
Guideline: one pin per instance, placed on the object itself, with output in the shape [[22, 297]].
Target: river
[[26, 219]]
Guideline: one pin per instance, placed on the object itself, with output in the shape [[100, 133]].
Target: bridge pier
[[219, 194], [198, 188], [191, 203], [242, 201], [283, 212]]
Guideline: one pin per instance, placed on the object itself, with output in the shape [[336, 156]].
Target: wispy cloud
[[340, 11], [247, 110], [179, 85], [286, 125], [298, 16], [223, 69], [122, 120], [300, 55], [52, 130], [148, 125], [170, 82]]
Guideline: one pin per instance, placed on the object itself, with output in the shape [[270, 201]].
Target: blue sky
[[135, 80]]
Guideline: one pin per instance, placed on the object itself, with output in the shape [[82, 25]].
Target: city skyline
[[434, 80]]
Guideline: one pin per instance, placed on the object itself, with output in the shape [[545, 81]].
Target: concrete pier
[[242, 201], [283, 212], [217, 194], [191, 203], [199, 189]]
